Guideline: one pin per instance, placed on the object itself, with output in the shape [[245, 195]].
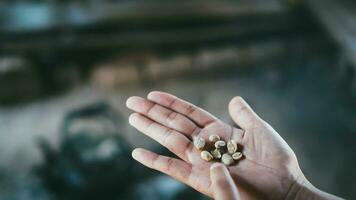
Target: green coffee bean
[[214, 138], [199, 142], [227, 159], [216, 153], [205, 155], [231, 147], [237, 156], [219, 144]]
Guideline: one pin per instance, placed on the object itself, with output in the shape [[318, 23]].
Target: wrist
[[302, 189]]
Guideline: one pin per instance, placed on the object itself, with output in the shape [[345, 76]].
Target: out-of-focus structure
[[338, 17], [54, 36]]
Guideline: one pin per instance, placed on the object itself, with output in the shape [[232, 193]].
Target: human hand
[[269, 170]]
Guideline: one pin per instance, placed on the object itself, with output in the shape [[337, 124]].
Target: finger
[[175, 168], [242, 114], [198, 115], [223, 185], [162, 115], [169, 138]]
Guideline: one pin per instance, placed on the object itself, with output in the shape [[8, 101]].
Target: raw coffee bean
[[237, 156], [205, 155], [216, 153], [231, 147], [227, 159], [219, 144], [214, 138], [199, 142]]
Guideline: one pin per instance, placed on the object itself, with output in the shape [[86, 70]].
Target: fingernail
[[132, 118], [151, 94], [135, 153], [129, 102]]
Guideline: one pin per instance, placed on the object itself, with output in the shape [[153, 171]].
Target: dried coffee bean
[[227, 159], [231, 147], [199, 142], [214, 138], [219, 144], [216, 153], [237, 156], [205, 155]]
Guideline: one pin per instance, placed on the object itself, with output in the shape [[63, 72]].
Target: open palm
[[269, 167]]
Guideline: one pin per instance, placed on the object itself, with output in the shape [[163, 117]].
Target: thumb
[[242, 113], [224, 187]]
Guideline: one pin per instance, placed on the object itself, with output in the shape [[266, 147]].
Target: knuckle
[[167, 135], [154, 161], [171, 104], [196, 130], [190, 109], [171, 117], [170, 162], [149, 110], [150, 125]]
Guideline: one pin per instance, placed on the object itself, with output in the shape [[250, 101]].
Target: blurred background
[[67, 67]]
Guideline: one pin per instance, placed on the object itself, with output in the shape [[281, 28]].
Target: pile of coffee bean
[[217, 149]]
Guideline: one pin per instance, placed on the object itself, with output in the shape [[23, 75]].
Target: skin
[[269, 169], [222, 183]]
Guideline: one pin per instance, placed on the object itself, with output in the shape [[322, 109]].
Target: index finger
[[196, 114]]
